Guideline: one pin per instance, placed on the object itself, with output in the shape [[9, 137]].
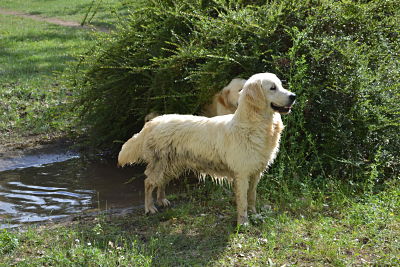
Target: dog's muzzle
[[284, 109]]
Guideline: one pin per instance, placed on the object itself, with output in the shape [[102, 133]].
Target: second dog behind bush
[[224, 102]]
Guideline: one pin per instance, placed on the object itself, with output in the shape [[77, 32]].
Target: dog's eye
[[273, 87]]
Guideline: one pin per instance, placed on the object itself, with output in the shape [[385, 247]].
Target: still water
[[44, 187]]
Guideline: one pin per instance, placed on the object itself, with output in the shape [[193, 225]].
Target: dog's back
[[181, 141], [184, 135]]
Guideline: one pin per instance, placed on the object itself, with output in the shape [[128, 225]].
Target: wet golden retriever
[[238, 147]]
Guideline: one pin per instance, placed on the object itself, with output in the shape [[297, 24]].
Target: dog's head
[[230, 92], [265, 91], [150, 116]]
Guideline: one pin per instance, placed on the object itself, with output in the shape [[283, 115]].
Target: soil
[[88, 217], [17, 146], [53, 20]]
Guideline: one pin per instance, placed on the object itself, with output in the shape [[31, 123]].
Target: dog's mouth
[[281, 109]]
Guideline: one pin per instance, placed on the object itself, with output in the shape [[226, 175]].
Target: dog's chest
[[264, 144]]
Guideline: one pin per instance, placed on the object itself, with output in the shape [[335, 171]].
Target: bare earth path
[[52, 20]]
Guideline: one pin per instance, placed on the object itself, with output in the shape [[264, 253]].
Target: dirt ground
[[52, 20], [17, 146]]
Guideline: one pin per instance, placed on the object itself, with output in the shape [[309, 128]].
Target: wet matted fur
[[236, 147]]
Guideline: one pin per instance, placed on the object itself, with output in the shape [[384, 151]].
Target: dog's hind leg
[[154, 173], [161, 200], [252, 192], [149, 186]]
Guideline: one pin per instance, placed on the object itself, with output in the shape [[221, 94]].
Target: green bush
[[340, 57]]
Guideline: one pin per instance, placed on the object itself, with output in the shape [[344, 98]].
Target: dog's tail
[[131, 151]]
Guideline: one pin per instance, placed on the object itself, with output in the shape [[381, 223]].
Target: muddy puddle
[[47, 186]]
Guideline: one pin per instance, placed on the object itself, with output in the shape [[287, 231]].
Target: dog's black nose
[[292, 97]]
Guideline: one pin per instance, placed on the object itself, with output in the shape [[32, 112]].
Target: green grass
[[33, 57], [74, 10], [199, 230]]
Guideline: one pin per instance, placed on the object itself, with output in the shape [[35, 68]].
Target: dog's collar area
[[280, 109]]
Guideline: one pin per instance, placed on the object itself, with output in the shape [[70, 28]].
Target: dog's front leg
[[252, 192], [241, 187]]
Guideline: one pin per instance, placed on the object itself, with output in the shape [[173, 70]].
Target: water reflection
[[60, 189]]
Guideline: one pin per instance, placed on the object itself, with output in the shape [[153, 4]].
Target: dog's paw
[[242, 221], [163, 202], [244, 225], [252, 209], [151, 209]]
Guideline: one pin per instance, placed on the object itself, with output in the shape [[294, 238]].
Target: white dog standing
[[236, 147]]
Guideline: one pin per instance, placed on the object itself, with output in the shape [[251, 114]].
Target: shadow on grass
[[196, 230], [181, 235], [51, 32], [32, 54]]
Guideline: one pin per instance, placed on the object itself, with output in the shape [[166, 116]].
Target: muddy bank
[[24, 155]]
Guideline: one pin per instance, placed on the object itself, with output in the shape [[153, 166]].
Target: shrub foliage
[[340, 57]]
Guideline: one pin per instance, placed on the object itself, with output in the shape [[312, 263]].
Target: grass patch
[[33, 57], [199, 230], [100, 13]]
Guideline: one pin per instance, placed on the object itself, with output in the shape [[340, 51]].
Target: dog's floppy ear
[[254, 95], [223, 98]]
